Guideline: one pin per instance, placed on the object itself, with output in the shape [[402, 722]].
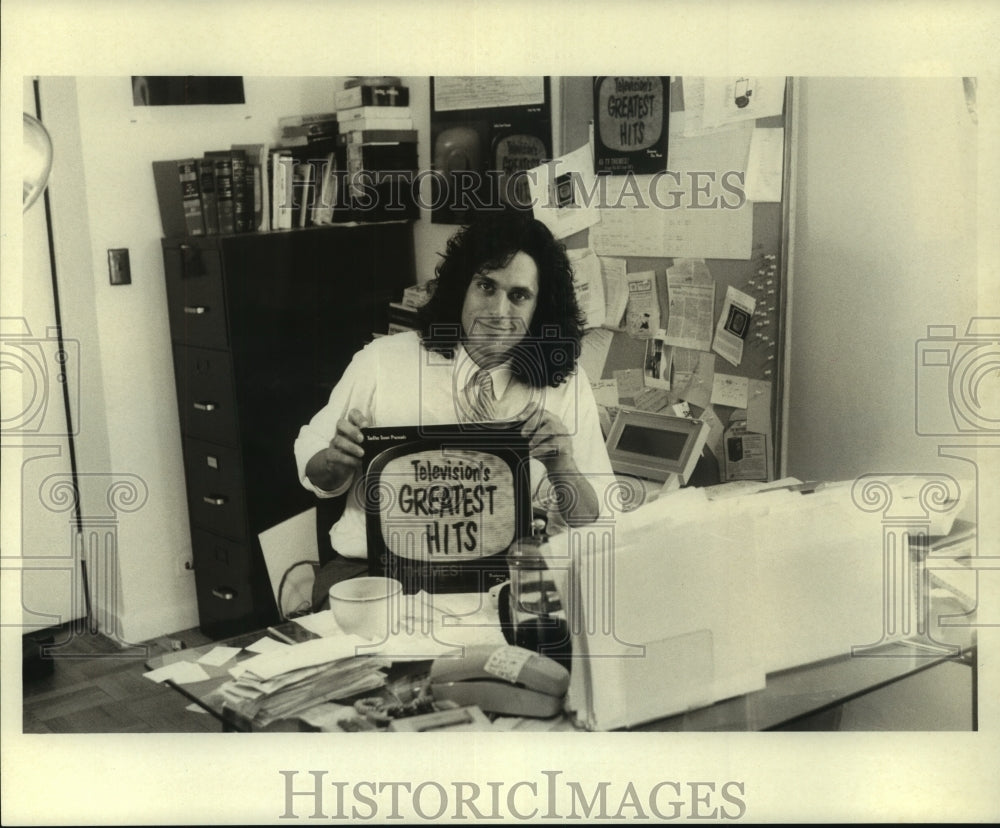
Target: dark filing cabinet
[[262, 326]]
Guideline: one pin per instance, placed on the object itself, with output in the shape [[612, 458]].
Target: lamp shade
[[36, 159]]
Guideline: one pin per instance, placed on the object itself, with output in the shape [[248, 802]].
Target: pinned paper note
[[765, 165], [630, 384], [615, 291], [594, 347], [692, 375], [730, 390], [690, 303], [652, 399], [605, 392], [557, 192], [642, 315], [733, 325], [759, 406], [588, 285], [743, 98]]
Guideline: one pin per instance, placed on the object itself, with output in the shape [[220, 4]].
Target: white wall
[[883, 245], [132, 406]]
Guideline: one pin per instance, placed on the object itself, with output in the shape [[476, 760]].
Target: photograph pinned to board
[[733, 325], [558, 191], [486, 133], [632, 117]]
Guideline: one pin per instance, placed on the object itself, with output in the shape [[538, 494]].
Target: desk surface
[[788, 695]]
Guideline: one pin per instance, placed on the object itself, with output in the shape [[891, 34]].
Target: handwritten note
[[731, 390]]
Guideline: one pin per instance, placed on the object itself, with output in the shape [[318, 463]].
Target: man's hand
[[334, 466], [549, 442]]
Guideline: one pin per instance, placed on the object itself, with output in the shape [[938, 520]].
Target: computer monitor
[[655, 446]]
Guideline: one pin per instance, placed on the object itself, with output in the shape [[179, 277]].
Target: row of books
[[366, 175], [223, 191], [358, 163]]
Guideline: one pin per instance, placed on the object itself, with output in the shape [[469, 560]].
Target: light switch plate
[[119, 271]]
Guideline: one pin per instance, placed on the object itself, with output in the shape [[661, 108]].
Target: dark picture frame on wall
[[486, 132], [631, 121], [187, 90]]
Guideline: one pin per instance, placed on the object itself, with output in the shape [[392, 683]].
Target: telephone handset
[[507, 680]]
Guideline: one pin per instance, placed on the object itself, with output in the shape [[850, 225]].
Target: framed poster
[[486, 132], [631, 118]]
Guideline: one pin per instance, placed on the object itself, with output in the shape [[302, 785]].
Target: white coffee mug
[[365, 606]]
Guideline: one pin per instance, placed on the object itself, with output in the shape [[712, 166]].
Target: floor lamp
[[37, 164]]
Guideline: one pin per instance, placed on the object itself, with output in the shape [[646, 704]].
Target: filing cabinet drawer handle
[[224, 593], [195, 310], [215, 500], [205, 406]]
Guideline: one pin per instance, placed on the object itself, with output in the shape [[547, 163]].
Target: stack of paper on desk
[[662, 620], [695, 597], [285, 682]]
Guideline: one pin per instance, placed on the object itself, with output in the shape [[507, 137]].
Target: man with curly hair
[[503, 317]]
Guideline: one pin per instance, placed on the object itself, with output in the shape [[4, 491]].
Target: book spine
[[188, 175], [242, 195], [224, 194], [209, 202], [366, 95], [297, 120]]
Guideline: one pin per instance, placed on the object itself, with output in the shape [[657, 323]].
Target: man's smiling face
[[498, 308]]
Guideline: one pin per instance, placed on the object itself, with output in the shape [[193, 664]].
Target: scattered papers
[[424, 627], [265, 645], [733, 325], [180, 672], [218, 656]]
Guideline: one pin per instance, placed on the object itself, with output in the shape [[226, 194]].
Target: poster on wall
[[486, 133], [631, 124]]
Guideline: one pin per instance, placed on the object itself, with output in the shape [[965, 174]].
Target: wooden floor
[[91, 685]]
